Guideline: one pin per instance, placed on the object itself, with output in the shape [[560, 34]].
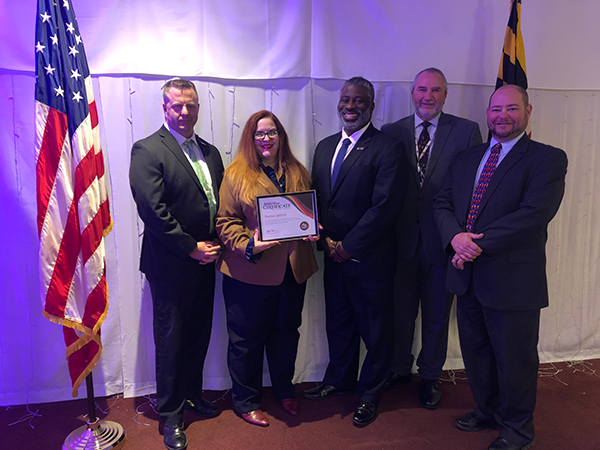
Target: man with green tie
[[175, 177]]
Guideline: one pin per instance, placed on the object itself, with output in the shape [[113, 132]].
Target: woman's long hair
[[244, 172]]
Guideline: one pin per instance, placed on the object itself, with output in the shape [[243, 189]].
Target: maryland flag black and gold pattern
[[512, 64]]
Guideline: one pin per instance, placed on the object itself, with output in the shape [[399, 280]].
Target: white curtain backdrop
[[289, 57]]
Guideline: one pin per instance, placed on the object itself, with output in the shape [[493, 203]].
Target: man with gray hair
[[431, 140], [175, 177], [360, 177]]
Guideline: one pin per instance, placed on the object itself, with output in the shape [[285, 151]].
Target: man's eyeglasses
[[260, 135]]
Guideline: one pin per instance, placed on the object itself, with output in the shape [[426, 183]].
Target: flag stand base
[[98, 435]]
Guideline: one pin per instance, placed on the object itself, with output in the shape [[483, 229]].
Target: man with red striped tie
[[493, 213]]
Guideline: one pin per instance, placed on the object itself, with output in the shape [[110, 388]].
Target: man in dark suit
[[493, 213], [431, 140], [175, 177], [360, 178]]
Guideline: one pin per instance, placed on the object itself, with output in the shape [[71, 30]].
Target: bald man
[[493, 214]]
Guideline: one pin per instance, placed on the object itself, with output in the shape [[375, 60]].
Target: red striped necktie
[[482, 184]]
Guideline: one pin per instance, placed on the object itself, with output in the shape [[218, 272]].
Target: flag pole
[[89, 384], [96, 434]]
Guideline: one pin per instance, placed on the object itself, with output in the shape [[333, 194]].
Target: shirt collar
[[179, 138], [508, 145], [356, 135], [434, 121]]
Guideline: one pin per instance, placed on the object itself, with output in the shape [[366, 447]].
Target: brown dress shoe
[[256, 417], [290, 406]]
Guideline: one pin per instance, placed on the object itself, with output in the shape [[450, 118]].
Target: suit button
[[206, 205], [329, 209]]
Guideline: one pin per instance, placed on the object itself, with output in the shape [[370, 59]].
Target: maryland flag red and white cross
[[73, 214], [512, 63]]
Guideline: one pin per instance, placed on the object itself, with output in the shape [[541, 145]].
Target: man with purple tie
[[360, 177]]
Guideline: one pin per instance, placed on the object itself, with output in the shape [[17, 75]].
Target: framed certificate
[[286, 217]]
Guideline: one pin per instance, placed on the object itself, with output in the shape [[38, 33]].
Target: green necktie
[[212, 204]]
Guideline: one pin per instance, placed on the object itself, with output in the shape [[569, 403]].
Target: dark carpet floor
[[567, 417]]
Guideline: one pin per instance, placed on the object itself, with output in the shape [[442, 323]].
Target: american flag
[[73, 215]]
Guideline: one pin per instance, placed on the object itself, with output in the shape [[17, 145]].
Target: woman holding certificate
[[263, 282]]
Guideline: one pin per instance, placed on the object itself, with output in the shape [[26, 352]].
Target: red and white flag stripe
[[73, 218]]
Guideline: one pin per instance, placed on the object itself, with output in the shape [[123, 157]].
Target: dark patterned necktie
[[482, 184], [339, 159], [423, 151]]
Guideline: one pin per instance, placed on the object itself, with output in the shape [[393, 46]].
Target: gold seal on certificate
[[289, 216]]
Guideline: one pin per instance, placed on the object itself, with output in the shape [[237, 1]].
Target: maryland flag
[[512, 63], [73, 213]]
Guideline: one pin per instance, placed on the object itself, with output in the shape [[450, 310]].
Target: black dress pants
[[262, 318], [356, 309], [183, 310], [499, 349], [419, 282]]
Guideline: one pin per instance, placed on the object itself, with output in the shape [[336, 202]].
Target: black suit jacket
[[171, 202], [452, 135], [522, 197], [366, 198]]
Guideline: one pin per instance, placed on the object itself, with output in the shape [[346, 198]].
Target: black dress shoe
[[325, 391], [175, 437], [365, 414], [202, 407], [504, 444], [431, 395], [394, 380], [473, 422]]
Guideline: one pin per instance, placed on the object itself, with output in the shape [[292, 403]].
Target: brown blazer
[[236, 222]]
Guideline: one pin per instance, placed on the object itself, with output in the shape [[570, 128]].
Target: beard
[[427, 114], [362, 119], [506, 132]]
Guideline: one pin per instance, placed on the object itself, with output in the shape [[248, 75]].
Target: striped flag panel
[[512, 63], [73, 210]]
